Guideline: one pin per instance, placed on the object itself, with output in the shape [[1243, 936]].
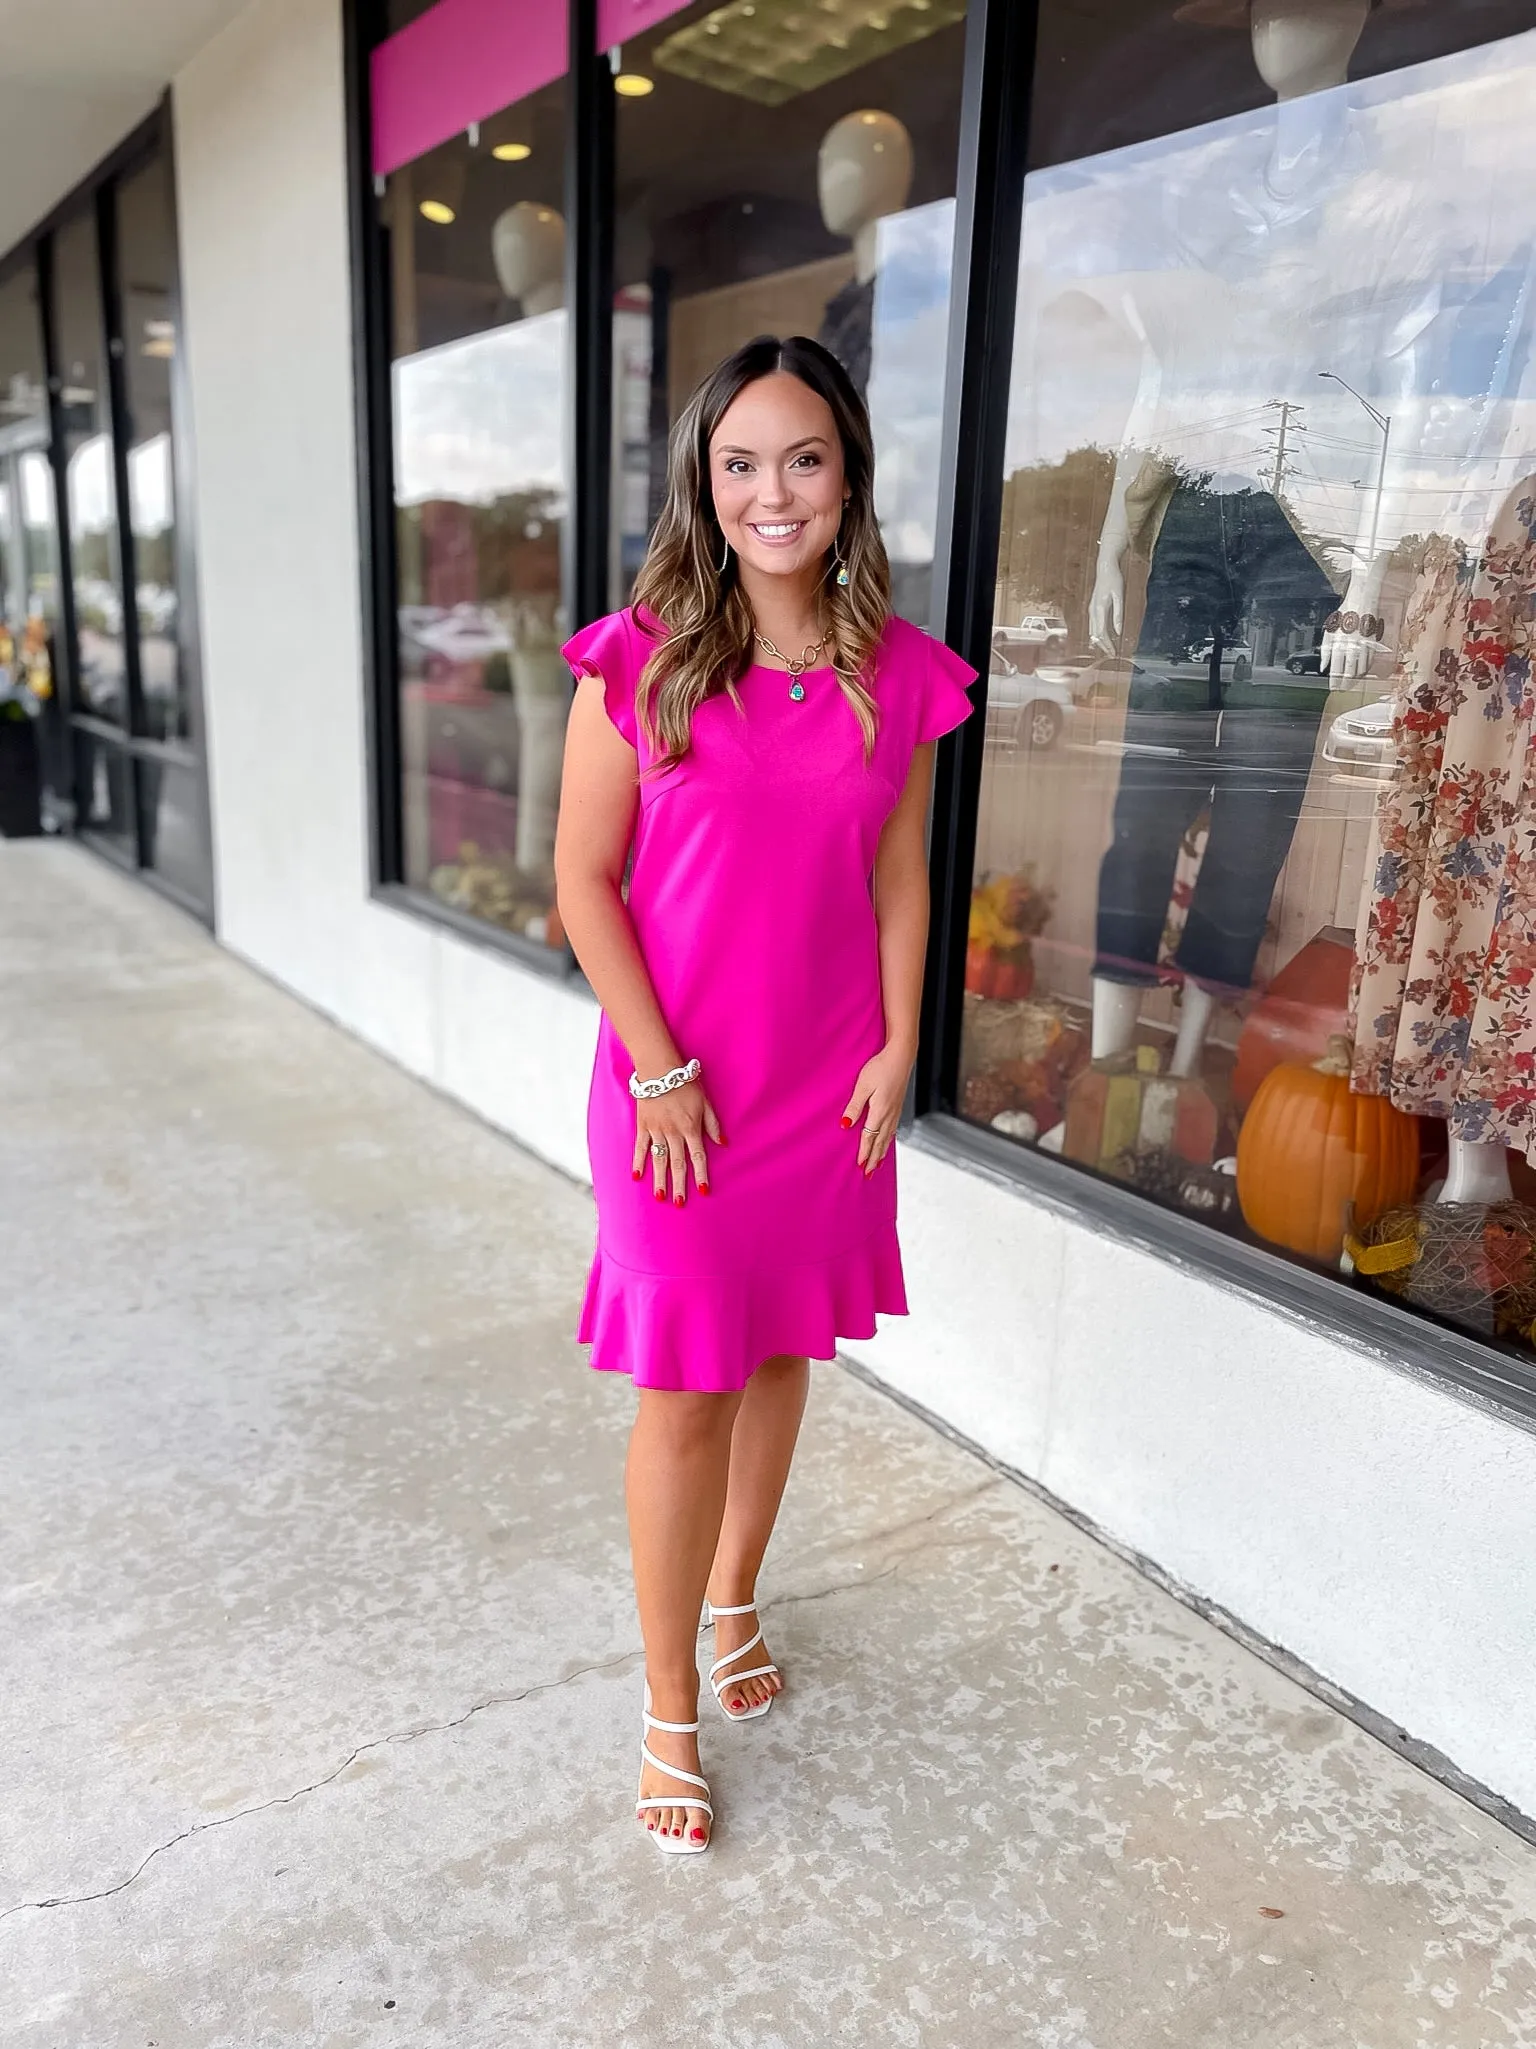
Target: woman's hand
[[878, 1095], [679, 1122]]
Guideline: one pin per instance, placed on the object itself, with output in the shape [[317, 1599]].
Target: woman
[[758, 728]]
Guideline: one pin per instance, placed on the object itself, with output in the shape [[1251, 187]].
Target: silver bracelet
[[665, 1083]]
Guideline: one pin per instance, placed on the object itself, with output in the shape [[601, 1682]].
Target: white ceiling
[[75, 77]]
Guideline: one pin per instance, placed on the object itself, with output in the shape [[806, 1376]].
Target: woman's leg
[[674, 1487], [762, 1446]]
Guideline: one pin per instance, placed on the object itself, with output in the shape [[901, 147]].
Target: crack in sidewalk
[[410, 1735], [286, 1799]]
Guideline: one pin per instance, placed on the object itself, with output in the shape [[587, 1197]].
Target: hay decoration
[[1473, 1263]]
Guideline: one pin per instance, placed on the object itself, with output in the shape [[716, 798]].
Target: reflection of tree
[[153, 557], [1052, 513], [456, 553], [93, 552], [517, 541]]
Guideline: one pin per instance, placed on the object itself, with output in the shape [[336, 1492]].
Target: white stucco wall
[[1380, 1530]]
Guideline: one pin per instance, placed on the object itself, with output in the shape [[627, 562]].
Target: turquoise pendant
[[797, 691], [842, 577]]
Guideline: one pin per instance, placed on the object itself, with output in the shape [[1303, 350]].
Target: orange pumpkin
[[1008, 976], [1309, 1145]]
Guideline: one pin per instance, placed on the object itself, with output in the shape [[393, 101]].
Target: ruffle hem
[[707, 1335]]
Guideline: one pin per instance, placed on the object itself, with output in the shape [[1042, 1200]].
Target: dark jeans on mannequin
[[1251, 767], [1220, 557]]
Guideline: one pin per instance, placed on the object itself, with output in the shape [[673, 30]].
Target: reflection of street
[[1050, 809], [1156, 681], [102, 686], [159, 677], [461, 747]]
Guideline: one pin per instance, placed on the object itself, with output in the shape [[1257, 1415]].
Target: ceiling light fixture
[[771, 51], [634, 85], [438, 212], [512, 152]]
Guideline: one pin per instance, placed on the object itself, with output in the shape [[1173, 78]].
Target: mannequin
[[1477, 1173], [863, 173], [528, 249], [1301, 48]]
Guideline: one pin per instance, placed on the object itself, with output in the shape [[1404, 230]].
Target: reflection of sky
[[1173, 292], [906, 381], [149, 485], [483, 418], [36, 491], [91, 505]]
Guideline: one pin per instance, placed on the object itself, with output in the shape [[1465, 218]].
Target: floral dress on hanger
[[1443, 1003]]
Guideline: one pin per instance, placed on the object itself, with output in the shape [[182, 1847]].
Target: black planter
[[21, 780]]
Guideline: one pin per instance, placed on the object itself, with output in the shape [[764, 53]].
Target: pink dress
[[750, 893]]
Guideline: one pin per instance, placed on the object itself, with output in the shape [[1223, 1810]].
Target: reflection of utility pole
[[1286, 408], [1384, 422]]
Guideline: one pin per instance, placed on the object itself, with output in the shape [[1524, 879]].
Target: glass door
[[137, 771]]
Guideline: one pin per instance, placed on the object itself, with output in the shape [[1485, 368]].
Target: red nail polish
[[677, 1201], [703, 1188], [846, 1122], [698, 1835], [638, 1171], [721, 1139], [661, 1195]]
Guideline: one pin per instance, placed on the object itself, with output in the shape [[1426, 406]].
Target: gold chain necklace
[[791, 663]]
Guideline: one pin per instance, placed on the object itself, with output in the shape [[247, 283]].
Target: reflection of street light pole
[[1384, 422]]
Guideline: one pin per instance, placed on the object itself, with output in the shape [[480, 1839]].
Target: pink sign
[[464, 60]]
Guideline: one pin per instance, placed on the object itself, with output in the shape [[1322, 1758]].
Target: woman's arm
[[901, 914], [598, 804]]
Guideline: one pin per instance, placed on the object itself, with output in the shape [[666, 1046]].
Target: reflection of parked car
[[463, 633], [1078, 674], [1024, 710], [1362, 740], [1236, 659], [1308, 663]]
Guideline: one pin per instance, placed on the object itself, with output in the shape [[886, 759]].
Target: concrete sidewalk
[[322, 1681]]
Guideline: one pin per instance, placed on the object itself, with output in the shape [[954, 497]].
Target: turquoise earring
[[842, 574], [842, 566]]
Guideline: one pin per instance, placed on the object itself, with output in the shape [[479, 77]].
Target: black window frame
[[996, 92], [97, 192]]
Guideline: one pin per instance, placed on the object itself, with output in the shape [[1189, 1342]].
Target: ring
[[657, 1150]]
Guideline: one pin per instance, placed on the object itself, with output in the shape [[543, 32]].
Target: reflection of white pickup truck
[[1035, 629]]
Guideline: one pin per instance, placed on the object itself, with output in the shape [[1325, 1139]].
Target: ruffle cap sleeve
[[944, 703], [614, 648]]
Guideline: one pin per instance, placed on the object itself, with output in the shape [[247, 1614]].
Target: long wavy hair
[[708, 623]]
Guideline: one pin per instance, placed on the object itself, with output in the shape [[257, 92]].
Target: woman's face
[[776, 471]]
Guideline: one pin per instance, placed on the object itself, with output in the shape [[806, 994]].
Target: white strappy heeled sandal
[[671, 1846], [752, 1672]]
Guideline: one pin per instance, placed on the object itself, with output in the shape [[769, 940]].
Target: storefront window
[[29, 569], [147, 266], [789, 170], [477, 262], [95, 563], [1253, 926]]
